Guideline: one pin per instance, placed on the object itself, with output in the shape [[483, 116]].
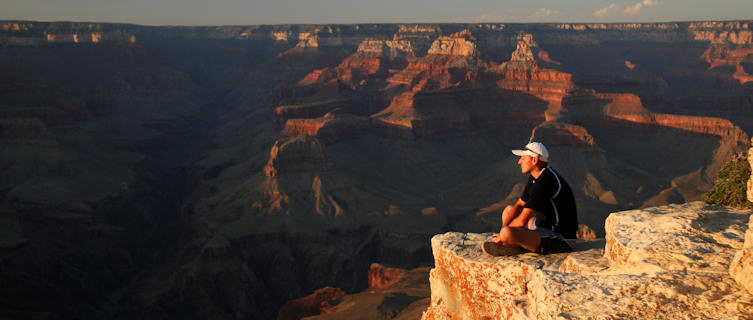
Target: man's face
[[526, 164]]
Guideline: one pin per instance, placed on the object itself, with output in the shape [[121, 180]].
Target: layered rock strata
[[666, 262]]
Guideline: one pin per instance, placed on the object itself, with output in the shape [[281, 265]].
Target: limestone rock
[[387, 48], [750, 181], [689, 237], [458, 44], [667, 262], [741, 267]]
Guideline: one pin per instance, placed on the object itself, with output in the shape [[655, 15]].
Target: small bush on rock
[[731, 185]]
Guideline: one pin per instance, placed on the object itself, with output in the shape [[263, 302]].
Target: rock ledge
[[670, 262]]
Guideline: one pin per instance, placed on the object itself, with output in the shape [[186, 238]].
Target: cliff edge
[[670, 262], [679, 261]]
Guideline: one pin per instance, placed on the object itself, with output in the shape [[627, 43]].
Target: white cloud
[[605, 11], [543, 13], [511, 15], [495, 16], [638, 6]]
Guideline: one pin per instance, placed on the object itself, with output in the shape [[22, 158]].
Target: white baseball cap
[[534, 149]]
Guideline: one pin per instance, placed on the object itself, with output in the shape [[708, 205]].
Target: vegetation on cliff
[[730, 187]]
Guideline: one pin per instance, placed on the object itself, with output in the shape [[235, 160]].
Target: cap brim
[[521, 153]]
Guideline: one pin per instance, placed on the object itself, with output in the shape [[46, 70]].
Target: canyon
[[196, 172]]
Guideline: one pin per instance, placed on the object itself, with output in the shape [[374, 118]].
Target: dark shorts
[[552, 242]]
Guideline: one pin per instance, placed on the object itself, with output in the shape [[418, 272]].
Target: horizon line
[[363, 23]]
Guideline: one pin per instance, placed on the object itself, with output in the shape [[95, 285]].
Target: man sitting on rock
[[543, 216]]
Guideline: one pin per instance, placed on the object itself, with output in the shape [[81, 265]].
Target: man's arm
[[521, 221], [515, 216], [512, 212]]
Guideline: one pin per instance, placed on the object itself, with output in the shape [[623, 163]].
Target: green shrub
[[731, 185]]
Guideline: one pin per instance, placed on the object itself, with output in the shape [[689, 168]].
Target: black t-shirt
[[551, 195]]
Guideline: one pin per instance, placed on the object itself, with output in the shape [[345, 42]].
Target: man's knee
[[506, 210], [506, 234]]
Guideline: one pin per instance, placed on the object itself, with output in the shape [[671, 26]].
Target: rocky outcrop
[[563, 134], [450, 60], [333, 126], [368, 66], [742, 265], [297, 154], [523, 72], [426, 114], [309, 110], [675, 257], [722, 32], [391, 49], [750, 181], [458, 44], [384, 277], [310, 305], [629, 107], [405, 299]]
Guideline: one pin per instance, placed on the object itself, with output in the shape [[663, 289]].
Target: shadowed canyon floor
[[196, 172]]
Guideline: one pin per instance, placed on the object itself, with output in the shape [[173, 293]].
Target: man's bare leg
[[511, 218], [508, 215], [519, 237]]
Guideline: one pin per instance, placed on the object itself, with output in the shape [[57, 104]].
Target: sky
[[255, 12]]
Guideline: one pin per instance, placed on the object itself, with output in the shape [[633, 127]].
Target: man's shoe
[[497, 249], [551, 245]]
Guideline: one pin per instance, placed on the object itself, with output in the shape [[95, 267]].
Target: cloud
[[495, 16], [543, 13], [605, 11], [631, 10], [511, 15]]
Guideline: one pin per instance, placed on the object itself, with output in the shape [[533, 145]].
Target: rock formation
[[750, 181], [666, 262], [405, 299], [310, 305], [525, 72], [368, 66], [384, 277], [332, 127], [450, 60], [742, 265]]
